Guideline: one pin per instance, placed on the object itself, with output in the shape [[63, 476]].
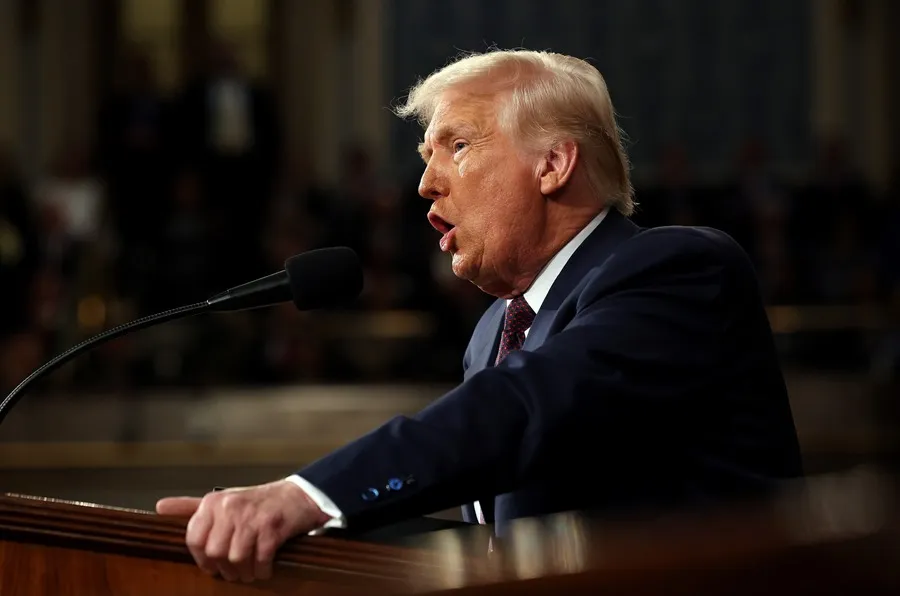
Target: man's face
[[486, 192]]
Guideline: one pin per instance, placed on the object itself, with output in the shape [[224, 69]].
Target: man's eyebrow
[[444, 133], [464, 129]]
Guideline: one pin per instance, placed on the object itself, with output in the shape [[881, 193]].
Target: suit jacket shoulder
[[654, 251]]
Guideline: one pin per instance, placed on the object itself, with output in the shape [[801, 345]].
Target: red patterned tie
[[519, 317]]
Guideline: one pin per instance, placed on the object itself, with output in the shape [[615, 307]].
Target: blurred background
[[153, 152]]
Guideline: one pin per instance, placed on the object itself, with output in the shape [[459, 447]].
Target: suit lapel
[[612, 231], [488, 340]]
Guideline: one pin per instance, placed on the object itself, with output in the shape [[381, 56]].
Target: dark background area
[[154, 152]]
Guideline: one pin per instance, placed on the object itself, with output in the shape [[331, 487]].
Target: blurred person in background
[[71, 203], [674, 198], [885, 366], [889, 241], [228, 133], [185, 256], [77, 246], [135, 156], [21, 346], [834, 244], [19, 248], [758, 213], [641, 356]]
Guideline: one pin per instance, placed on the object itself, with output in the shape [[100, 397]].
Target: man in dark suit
[[619, 369]]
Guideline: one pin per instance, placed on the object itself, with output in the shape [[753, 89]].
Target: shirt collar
[[539, 289]]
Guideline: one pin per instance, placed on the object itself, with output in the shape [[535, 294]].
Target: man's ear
[[557, 166]]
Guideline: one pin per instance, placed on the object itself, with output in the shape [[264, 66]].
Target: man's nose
[[432, 185]]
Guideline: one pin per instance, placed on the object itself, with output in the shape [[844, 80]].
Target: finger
[[266, 547], [197, 534], [178, 506], [218, 545], [241, 553]]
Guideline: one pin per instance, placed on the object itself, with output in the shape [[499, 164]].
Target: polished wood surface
[[57, 547], [836, 534]]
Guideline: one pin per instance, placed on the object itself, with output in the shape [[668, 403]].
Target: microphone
[[316, 279], [312, 280]]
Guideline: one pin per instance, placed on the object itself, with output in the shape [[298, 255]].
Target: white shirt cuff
[[323, 502]]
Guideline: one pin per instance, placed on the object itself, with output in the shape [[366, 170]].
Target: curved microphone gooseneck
[[318, 278], [50, 366]]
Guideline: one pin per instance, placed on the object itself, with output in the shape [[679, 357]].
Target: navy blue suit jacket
[[649, 379]]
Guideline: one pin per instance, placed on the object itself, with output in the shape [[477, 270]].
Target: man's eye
[[459, 146]]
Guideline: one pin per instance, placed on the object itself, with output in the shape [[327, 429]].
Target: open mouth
[[440, 224]]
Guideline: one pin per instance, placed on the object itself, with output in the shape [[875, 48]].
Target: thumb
[[178, 506]]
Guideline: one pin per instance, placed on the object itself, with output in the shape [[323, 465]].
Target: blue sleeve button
[[370, 494], [395, 484]]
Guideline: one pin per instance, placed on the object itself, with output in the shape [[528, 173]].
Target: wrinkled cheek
[[496, 235]]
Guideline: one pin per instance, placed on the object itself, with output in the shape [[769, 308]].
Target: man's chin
[[471, 272], [462, 267]]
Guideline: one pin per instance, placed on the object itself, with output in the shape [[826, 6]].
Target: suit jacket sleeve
[[645, 332]]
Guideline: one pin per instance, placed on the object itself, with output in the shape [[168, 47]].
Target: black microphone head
[[324, 277]]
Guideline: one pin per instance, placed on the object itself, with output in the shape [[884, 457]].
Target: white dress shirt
[[534, 296]]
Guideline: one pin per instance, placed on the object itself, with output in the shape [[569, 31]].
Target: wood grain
[[830, 535], [45, 544]]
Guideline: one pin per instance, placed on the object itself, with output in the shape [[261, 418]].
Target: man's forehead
[[459, 112]]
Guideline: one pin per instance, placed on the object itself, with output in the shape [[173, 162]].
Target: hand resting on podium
[[236, 532]]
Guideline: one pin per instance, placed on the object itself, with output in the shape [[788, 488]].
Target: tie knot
[[519, 315]]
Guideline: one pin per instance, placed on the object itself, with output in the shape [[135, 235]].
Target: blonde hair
[[551, 97]]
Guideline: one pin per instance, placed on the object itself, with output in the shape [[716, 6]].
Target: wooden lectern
[[61, 548], [834, 535]]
